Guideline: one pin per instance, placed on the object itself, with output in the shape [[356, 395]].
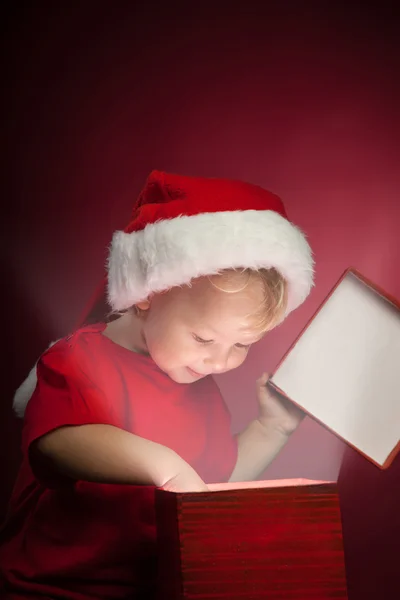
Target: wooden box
[[262, 540]]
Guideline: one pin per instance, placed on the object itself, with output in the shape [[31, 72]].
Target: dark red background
[[299, 97]]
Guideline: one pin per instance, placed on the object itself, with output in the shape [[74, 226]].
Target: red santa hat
[[185, 227]]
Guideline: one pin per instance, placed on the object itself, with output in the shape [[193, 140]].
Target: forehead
[[231, 289], [216, 308]]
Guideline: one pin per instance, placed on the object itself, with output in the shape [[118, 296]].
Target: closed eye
[[200, 340], [203, 341]]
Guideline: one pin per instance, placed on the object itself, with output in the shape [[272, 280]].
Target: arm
[[106, 454], [258, 445], [264, 438]]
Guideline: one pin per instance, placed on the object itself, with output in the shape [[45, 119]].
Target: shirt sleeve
[[65, 394]]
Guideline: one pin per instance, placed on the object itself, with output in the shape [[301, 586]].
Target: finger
[[263, 379]]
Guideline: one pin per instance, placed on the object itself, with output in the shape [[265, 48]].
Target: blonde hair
[[270, 313], [272, 309]]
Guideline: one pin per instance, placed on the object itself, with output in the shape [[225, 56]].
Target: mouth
[[194, 373]]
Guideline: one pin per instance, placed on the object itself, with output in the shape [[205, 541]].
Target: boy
[[203, 270]]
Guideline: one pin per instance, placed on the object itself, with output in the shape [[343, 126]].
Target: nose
[[218, 362]]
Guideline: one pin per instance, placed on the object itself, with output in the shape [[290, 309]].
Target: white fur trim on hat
[[25, 391], [172, 252]]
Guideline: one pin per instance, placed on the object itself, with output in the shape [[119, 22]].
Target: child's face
[[192, 332]]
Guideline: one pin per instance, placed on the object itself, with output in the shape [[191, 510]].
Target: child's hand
[[275, 410], [185, 480]]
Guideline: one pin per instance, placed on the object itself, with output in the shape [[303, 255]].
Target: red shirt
[[78, 540]]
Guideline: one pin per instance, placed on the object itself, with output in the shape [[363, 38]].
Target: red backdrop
[[300, 98]]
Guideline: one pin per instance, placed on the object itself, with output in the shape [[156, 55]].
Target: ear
[[144, 304]]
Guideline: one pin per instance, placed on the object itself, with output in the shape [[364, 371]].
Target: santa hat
[[185, 227]]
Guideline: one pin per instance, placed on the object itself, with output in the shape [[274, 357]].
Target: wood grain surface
[[272, 543]]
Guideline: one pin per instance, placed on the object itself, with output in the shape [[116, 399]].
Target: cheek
[[236, 359], [168, 346], [155, 339]]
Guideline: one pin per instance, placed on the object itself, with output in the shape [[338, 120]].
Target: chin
[[183, 376], [177, 374]]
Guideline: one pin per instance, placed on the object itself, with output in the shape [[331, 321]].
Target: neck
[[127, 331]]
